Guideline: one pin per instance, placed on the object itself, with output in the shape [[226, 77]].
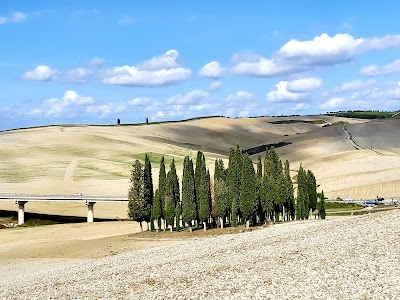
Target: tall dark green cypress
[[322, 211], [248, 190], [162, 184], [267, 195], [169, 208], [178, 212], [220, 191], [188, 193], [259, 168], [157, 209], [148, 188], [138, 207], [312, 190], [290, 203], [202, 192], [234, 174]]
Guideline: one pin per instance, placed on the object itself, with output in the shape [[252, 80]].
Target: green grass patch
[[363, 114], [155, 158], [38, 222], [342, 206]]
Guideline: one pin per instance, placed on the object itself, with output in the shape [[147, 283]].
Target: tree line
[[242, 193]]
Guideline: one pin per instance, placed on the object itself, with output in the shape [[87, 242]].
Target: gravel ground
[[351, 258]]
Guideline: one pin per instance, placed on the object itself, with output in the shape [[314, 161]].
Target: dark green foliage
[[219, 171], [289, 195], [118, 121], [203, 190], [178, 212], [138, 207], [267, 194], [248, 189], [148, 183], [312, 190], [302, 190], [162, 184], [220, 198], [172, 195], [189, 211], [156, 208], [259, 168], [321, 206], [169, 208], [234, 174]]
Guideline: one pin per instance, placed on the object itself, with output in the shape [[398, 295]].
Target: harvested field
[[350, 258]]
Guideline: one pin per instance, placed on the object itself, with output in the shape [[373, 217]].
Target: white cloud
[[189, 98], [214, 86], [298, 56], [79, 75], [212, 70], [163, 70], [333, 103], [239, 96], [41, 73], [304, 85], [96, 61], [301, 107], [263, 67], [55, 106], [139, 101], [120, 108], [375, 70], [169, 60], [102, 110], [18, 16], [354, 85], [131, 76], [15, 17], [281, 94]]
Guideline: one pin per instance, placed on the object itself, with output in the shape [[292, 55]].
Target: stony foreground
[[352, 258]]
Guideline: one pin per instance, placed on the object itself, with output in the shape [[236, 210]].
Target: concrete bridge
[[88, 200]]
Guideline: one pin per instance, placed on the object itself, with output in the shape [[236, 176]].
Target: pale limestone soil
[[350, 258]]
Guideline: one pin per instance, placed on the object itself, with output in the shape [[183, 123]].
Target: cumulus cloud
[[304, 85], [96, 61], [40, 73], [57, 106], [15, 17], [298, 56], [354, 85], [375, 70], [79, 75], [102, 110], [212, 70], [138, 101], [163, 70], [301, 107], [188, 98], [333, 103], [288, 91], [168, 60], [214, 86], [239, 96]]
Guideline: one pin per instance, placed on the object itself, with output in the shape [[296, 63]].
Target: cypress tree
[[162, 184], [178, 212], [220, 191], [138, 207], [248, 190], [289, 192], [267, 194], [312, 190], [169, 208], [259, 168], [148, 188], [188, 193], [234, 174], [156, 209], [202, 192], [321, 209], [175, 182]]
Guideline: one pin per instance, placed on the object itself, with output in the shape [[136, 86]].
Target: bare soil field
[[343, 258], [97, 159]]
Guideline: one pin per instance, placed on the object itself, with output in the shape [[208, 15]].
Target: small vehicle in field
[[368, 202], [379, 198], [77, 194]]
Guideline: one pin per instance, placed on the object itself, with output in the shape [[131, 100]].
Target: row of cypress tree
[[238, 194]]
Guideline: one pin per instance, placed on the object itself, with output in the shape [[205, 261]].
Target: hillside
[[97, 159]]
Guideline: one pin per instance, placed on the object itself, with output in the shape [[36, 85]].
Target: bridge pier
[[90, 214], [21, 211]]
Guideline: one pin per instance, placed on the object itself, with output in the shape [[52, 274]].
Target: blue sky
[[91, 62]]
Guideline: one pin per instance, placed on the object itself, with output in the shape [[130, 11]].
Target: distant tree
[[147, 120], [189, 211], [148, 187], [118, 121], [248, 190], [138, 207]]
